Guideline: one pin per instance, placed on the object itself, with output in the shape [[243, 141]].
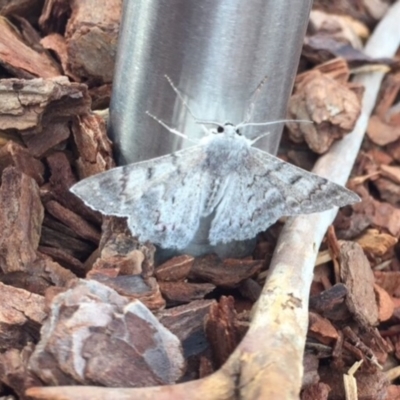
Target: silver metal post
[[216, 52]]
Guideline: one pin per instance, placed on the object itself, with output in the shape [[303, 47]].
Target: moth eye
[[238, 132], [220, 129]]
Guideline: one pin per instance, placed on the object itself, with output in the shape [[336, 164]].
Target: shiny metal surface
[[216, 52]]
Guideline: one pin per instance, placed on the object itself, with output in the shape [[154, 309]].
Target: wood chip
[[226, 273], [332, 106], [356, 274], [94, 336], [20, 59]]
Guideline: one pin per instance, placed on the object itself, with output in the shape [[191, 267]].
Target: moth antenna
[[279, 121], [253, 99], [168, 128], [184, 102]]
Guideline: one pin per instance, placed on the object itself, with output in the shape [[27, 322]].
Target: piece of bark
[[94, 147], [369, 386], [89, 27], [331, 105], [226, 273], [381, 133], [65, 260], [79, 225], [94, 336], [321, 329], [53, 136], [183, 321], [389, 281], [223, 330], [393, 392], [133, 287], [318, 391], [126, 255], [23, 8], [389, 191], [175, 269], [58, 45], [61, 179], [14, 371], [310, 365], [376, 243], [17, 156], [101, 96], [321, 48], [184, 292], [356, 274], [250, 289], [328, 299], [20, 220], [21, 60], [59, 238], [21, 315], [366, 213], [385, 303], [28, 105], [42, 273]]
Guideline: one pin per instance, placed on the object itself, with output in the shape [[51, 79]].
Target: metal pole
[[216, 52]]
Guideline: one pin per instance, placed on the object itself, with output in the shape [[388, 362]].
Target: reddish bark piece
[[369, 385], [82, 228], [20, 59], [28, 105], [176, 269], [393, 392], [310, 365], [101, 96], [14, 370], [134, 287], [124, 253], [94, 147], [65, 260], [356, 274], [318, 391], [321, 329], [223, 329], [375, 243], [369, 212], [56, 43], [21, 217], [385, 303], [52, 136], [61, 179], [391, 172], [17, 156], [95, 336], [329, 298], [91, 36], [226, 273], [389, 281], [59, 236], [185, 320], [332, 106], [184, 292], [381, 133], [21, 314], [342, 28], [389, 191]]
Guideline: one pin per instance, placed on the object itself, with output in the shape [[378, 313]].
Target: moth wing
[[162, 198], [266, 189]]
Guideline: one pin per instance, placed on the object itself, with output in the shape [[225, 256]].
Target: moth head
[[228, 129]]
